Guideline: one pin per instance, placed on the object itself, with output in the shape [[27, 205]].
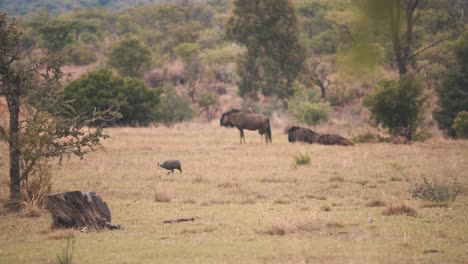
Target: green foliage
[[35, 140], [174, 107], [208, 102], [82, 56], [461, 124], [364, 138], [435, 191], [453, 92], [53, 131], [269, 30], [397, 104], [307, 107], [102, 89], [186, 50], [301, 159], [67, 254], [130, 57], [421, 136]]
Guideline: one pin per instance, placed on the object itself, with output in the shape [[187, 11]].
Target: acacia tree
[[275, 56], [52, 130]]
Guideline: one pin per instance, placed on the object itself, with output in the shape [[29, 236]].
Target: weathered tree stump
[[84, 211]]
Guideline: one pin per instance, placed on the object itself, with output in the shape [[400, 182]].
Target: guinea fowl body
[[171, 165]]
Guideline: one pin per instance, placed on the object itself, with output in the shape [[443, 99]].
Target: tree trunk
[[13, 143], [84, 211]]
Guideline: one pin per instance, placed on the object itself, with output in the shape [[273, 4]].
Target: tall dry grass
[[249, 204]]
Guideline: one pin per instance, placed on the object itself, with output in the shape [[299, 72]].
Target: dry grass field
[[251, 203]]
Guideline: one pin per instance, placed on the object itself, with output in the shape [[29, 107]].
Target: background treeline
[[170, 61]]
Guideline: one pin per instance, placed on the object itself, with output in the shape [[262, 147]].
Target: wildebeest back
[[331, 139], [302, 134]]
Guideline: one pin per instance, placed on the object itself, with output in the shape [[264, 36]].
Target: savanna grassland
[[252, 203]]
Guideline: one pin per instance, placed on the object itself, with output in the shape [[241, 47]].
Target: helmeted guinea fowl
[[171, 165]]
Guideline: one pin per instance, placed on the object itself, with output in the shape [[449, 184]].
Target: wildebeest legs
[[241, 135]]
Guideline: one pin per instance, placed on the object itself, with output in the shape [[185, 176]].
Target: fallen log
[[178, 220], [84, 211]]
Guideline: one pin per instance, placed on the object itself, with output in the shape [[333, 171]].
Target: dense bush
[[82, 56], [454, 89], [208, 102], [102, 89], [461, 124], [174, 107], [397, 105], [307, 107], [130, 57]]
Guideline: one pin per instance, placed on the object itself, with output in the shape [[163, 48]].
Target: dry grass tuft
[[162, 197], [282, 201], [335, 225], [311, 196], [395, 179], [401, 209], [285, 227], [435, 205], [337, 179], [227, 185], [60, 234], [31, 210], [200, 179], [376, 203]]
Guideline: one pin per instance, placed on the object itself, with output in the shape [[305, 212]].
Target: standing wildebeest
[[241, 120], [330, 139], [302, 134]]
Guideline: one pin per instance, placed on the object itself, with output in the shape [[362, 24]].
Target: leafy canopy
[[269, 30], [102, 89], [397, 105]]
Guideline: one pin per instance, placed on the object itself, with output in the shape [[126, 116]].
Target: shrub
[[130, 57], [307, 107], [397, 105], [174, 107], [301, 159], [452, 92], [82, 56], [460, 125], [364, 138], [208, 102], [435, 191], [422, 136], [102, 89]]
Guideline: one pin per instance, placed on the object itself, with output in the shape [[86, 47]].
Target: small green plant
[[400, 169], [435, 191], [301, 159], [67, 254], [461, 124], [364, 138], [422, 136]]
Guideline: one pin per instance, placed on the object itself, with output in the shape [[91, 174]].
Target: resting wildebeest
[[302, 134], [331, 139], [241, 120]]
